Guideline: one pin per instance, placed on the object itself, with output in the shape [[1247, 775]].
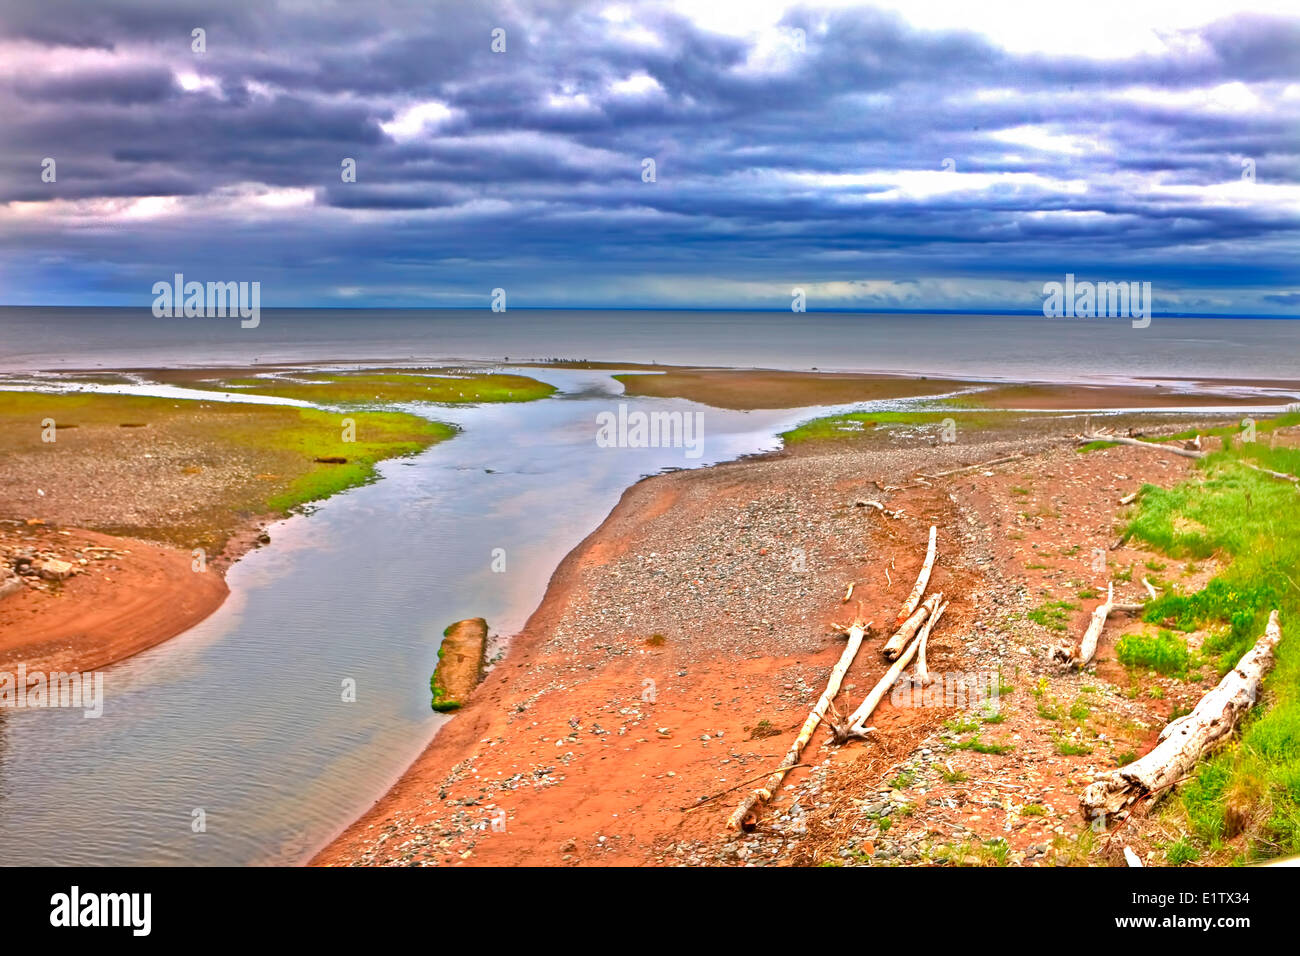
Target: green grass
[[370, 387], [1165, 653], [961, 725], [904, 780], [1053, 615], [979, 747], [1068, 748], [995, 852], [1180, 852], [318, 434], [1202, 800], [854, 424], [1251, 523]]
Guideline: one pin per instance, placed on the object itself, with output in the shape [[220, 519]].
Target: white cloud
[[919, 184], [638, 84], [1225, 98], [1100, 29], [1043, 140], [412, 121], [192, 82]]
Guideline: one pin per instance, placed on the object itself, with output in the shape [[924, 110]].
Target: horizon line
[[652, 308]]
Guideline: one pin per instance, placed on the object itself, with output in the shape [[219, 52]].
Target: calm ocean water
[[1020, 348]]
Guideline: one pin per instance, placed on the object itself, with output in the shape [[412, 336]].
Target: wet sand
[[763, 388], [112, 608]]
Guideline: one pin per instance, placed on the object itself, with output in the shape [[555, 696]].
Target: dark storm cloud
[[126, 87], [773, 163]]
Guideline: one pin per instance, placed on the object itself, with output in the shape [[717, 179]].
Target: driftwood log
[[856, 726], [979, 464], [741, 817], [903, 636], [922, 673], [1121, 440], [1185, 740], [1281, 475], [1080, 655], [1185, 452], [922, 579]]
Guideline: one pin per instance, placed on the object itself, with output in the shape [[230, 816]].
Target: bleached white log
[[1080, 656], [857, 722], [922, 672], [1188, 738], [922, 579], [1151, 446], [764, 793], [894, 646]]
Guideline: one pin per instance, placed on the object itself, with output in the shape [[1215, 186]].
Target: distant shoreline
[[801, 388], [1010, 313]]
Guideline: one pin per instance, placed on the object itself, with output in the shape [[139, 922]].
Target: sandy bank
[[157, 480], [766, 388], [127, 597]]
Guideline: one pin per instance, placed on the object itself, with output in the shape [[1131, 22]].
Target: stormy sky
[[928, 154]]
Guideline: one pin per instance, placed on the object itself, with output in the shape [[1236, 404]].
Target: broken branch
[[1079, 657], [981, 464]]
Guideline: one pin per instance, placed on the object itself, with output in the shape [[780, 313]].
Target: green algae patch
[[390, 387], [460, 664]]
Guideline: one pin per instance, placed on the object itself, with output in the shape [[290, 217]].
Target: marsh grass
[[854, 424], [385, 387], [265, 456]]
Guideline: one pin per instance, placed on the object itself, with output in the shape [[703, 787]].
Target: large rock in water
[[460, 664]]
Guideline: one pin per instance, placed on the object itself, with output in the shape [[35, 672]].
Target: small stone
[[54, 570]]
